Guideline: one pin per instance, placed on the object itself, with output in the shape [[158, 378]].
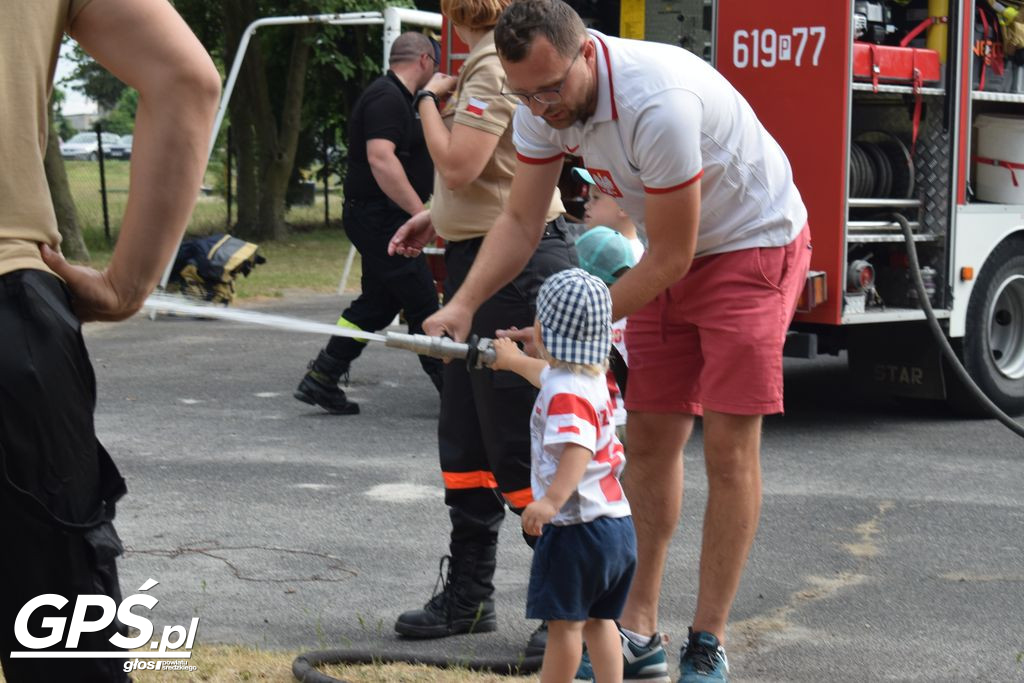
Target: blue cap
[[604, 252], [584, 174]]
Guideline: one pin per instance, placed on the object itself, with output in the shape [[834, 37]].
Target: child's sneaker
[[646, 662], [702, 659]]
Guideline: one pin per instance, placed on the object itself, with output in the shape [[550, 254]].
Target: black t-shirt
[[384, 110]]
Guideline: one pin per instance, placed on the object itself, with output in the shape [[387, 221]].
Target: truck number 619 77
[[766, 48]]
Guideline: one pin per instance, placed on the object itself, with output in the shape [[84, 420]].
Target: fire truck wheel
[[993, 348]]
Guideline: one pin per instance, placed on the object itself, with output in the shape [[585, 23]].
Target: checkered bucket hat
[[575, 313]]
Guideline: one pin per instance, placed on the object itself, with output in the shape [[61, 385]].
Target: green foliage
[[121, 120], [96, 82], [64, 128]]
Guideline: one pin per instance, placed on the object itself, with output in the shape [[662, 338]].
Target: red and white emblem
[[604, 181], [476, 106]]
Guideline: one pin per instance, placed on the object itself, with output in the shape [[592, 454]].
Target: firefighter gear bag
[[206, 267]]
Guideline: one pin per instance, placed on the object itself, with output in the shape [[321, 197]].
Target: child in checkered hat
[[584, 560]]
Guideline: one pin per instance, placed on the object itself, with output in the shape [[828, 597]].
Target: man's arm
[[506, 249], [148, 46], [672, 219], [390, 176]]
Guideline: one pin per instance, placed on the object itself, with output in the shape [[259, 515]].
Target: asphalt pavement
[[891, 545]]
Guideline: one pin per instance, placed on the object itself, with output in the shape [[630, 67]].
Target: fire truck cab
[[889, 111]]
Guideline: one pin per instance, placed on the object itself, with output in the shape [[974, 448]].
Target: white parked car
[[83, 146]]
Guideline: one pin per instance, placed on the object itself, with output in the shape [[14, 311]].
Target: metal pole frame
[[391, 18]]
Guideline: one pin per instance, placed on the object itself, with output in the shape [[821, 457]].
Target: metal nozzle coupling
[[477, 353]]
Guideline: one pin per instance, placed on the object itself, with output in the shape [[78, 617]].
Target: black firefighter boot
[[320, 386], [465, 603]]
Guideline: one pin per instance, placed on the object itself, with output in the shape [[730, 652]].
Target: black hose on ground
[[304, 668], [940, 336]]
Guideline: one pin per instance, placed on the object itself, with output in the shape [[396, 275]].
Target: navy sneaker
[[585, 672], [703, 660], [646, 662], [639, 662]]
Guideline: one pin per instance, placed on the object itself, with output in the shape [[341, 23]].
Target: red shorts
[[714, 339]]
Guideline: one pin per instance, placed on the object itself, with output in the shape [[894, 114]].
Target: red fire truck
[[889, 111]]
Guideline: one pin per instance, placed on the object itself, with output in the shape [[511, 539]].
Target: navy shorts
[[582, 571]]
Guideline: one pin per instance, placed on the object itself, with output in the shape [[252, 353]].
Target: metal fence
[[98, 175]]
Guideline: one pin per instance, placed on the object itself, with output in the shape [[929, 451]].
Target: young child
[[584, 560], [601, 210], [607, 254]]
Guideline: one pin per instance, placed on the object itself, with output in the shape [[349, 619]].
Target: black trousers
[[389, 283], [58, 486], [484, 427]]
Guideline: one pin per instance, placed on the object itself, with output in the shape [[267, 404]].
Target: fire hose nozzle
[[478, 352]]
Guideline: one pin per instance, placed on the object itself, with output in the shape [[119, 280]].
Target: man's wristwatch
[[422, 94]]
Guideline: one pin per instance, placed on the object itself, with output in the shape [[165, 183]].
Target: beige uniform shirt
[[30, 35], [470, 211]]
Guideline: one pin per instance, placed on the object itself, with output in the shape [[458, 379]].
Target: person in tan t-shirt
[[483, 431], [58, 486]]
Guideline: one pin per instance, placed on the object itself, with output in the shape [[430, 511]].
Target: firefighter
[[708, 304], [58, 486], [388, 179], [483, 431]]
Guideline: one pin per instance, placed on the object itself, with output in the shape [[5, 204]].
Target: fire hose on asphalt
[[940, 336]]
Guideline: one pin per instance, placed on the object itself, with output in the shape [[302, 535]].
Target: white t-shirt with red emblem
[[574, 408], [664, 119]]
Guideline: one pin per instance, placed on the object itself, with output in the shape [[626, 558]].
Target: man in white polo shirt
[[709, 303]]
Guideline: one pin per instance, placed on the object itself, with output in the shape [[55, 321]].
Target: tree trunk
[[72, 244], [247, 189], [281, 145], [267, 136]]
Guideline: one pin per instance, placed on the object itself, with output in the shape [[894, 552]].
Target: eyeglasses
[[545, 97]]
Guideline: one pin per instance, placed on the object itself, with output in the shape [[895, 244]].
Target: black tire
[[993, 346], [92, 156]]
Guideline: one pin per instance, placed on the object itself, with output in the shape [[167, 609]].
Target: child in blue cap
[[607, 254], [584, 560]]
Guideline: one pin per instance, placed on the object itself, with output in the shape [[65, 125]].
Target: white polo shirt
[[665, 118], [575, 408]]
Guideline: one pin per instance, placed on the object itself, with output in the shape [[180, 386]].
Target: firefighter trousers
[[58, 486], [484, 426], [389, 283]]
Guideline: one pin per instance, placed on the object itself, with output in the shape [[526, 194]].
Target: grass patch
[[312, 258], [312, 261]]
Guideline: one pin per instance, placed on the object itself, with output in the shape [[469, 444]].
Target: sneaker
[[702, 659], [585, 672], [639, 662], [644, 662]]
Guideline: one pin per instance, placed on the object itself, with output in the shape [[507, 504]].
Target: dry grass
[[229, 663]]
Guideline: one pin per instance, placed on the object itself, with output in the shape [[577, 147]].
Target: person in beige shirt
[[483, 431], [58, 486]]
